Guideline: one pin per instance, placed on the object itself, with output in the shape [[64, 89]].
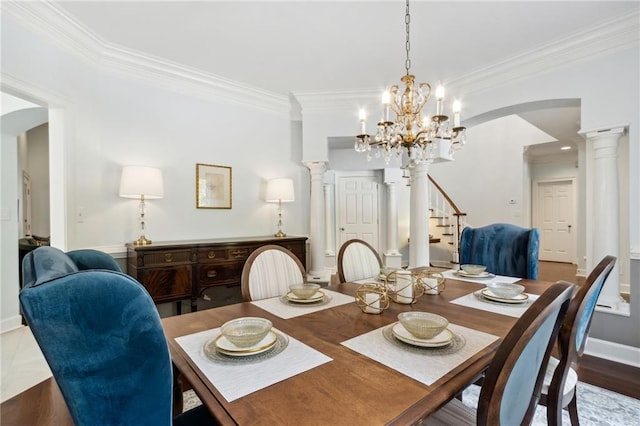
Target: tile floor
[[21, 363]]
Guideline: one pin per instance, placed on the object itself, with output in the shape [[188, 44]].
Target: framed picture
[[213, 186]]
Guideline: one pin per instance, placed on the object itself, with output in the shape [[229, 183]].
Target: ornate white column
[[329, 244], [316, 225], [605, 208], [419, 216], [392, 219]]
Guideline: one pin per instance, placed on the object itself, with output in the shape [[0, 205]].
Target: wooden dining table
[[351, 389]]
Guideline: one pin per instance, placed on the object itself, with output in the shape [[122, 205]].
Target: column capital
[[316, 166], [604, 131]]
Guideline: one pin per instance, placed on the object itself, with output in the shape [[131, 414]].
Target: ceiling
[[290, 46]]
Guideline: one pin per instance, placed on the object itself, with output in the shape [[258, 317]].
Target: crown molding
[[611, 36], [332, 100], [62, 30], [46, 18], [25, 90]]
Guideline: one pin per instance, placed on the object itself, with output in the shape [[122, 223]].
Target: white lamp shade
[[280, 190], [138, 180]]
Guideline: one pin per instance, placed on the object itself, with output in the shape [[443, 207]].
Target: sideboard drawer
[[162, 258], [238, 253], [212, 254], [221, 274]]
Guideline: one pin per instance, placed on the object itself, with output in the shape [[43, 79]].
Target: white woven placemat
[[513, 310], [285, 311], [421, 365], [451, 274], [237, 379]]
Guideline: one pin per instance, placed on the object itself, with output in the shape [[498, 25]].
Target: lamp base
[[142, 241], [280, 234]]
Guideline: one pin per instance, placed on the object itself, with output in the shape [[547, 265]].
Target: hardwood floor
[[620, 378], [616, 377]]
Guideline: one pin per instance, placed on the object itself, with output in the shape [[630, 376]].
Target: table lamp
[[144, 183], [280, 191]]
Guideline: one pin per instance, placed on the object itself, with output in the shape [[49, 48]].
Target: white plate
[[484, 274], [488, 294], [440, 340], [223, 345], [317, 297]]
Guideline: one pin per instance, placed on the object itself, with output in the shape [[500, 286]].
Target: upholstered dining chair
[[559, 387], [93, 259], [101, 335], [505, 249], [269, 271], [358, 260], [512, 383]]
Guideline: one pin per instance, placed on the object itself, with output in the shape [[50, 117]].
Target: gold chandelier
[[425, 138]]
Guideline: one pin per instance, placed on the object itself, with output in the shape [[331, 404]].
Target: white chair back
[[359, 261], [270, 273]]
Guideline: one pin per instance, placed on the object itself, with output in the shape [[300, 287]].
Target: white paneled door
[[358, 209], [554, 217]]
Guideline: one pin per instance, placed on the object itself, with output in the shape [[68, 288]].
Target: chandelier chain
[[407, 22]]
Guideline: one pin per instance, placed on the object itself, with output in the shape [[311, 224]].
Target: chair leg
[[573, 411]]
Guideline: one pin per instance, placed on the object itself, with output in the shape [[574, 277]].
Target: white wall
[[15, 121], [37, 141], [9, 315], [488, 172]]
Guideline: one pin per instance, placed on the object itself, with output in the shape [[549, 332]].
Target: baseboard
[[11, 323], [625, 288], [612, 351]]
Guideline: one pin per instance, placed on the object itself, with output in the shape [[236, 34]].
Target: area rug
[[596, 407]]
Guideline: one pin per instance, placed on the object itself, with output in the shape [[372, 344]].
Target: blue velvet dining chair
[[511, 387], [505, 249], [101, 335], [559, 387]]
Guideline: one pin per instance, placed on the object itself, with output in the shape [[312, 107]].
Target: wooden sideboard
[[177, 270]]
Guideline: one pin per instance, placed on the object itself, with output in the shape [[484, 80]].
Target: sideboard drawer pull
[[238, 253], [168, 257], [211, 254], [211, 274]]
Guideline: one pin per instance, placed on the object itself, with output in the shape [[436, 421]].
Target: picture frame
[[213, 186]]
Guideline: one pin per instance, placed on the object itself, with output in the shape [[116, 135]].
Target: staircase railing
[[448, 216]]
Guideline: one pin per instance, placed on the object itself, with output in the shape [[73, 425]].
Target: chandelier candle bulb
[[439, 99], [456, 113], [386, 100], [363, 124]]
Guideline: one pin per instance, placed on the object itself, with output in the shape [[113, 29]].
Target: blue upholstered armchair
[[101, 335], [503, 248]]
